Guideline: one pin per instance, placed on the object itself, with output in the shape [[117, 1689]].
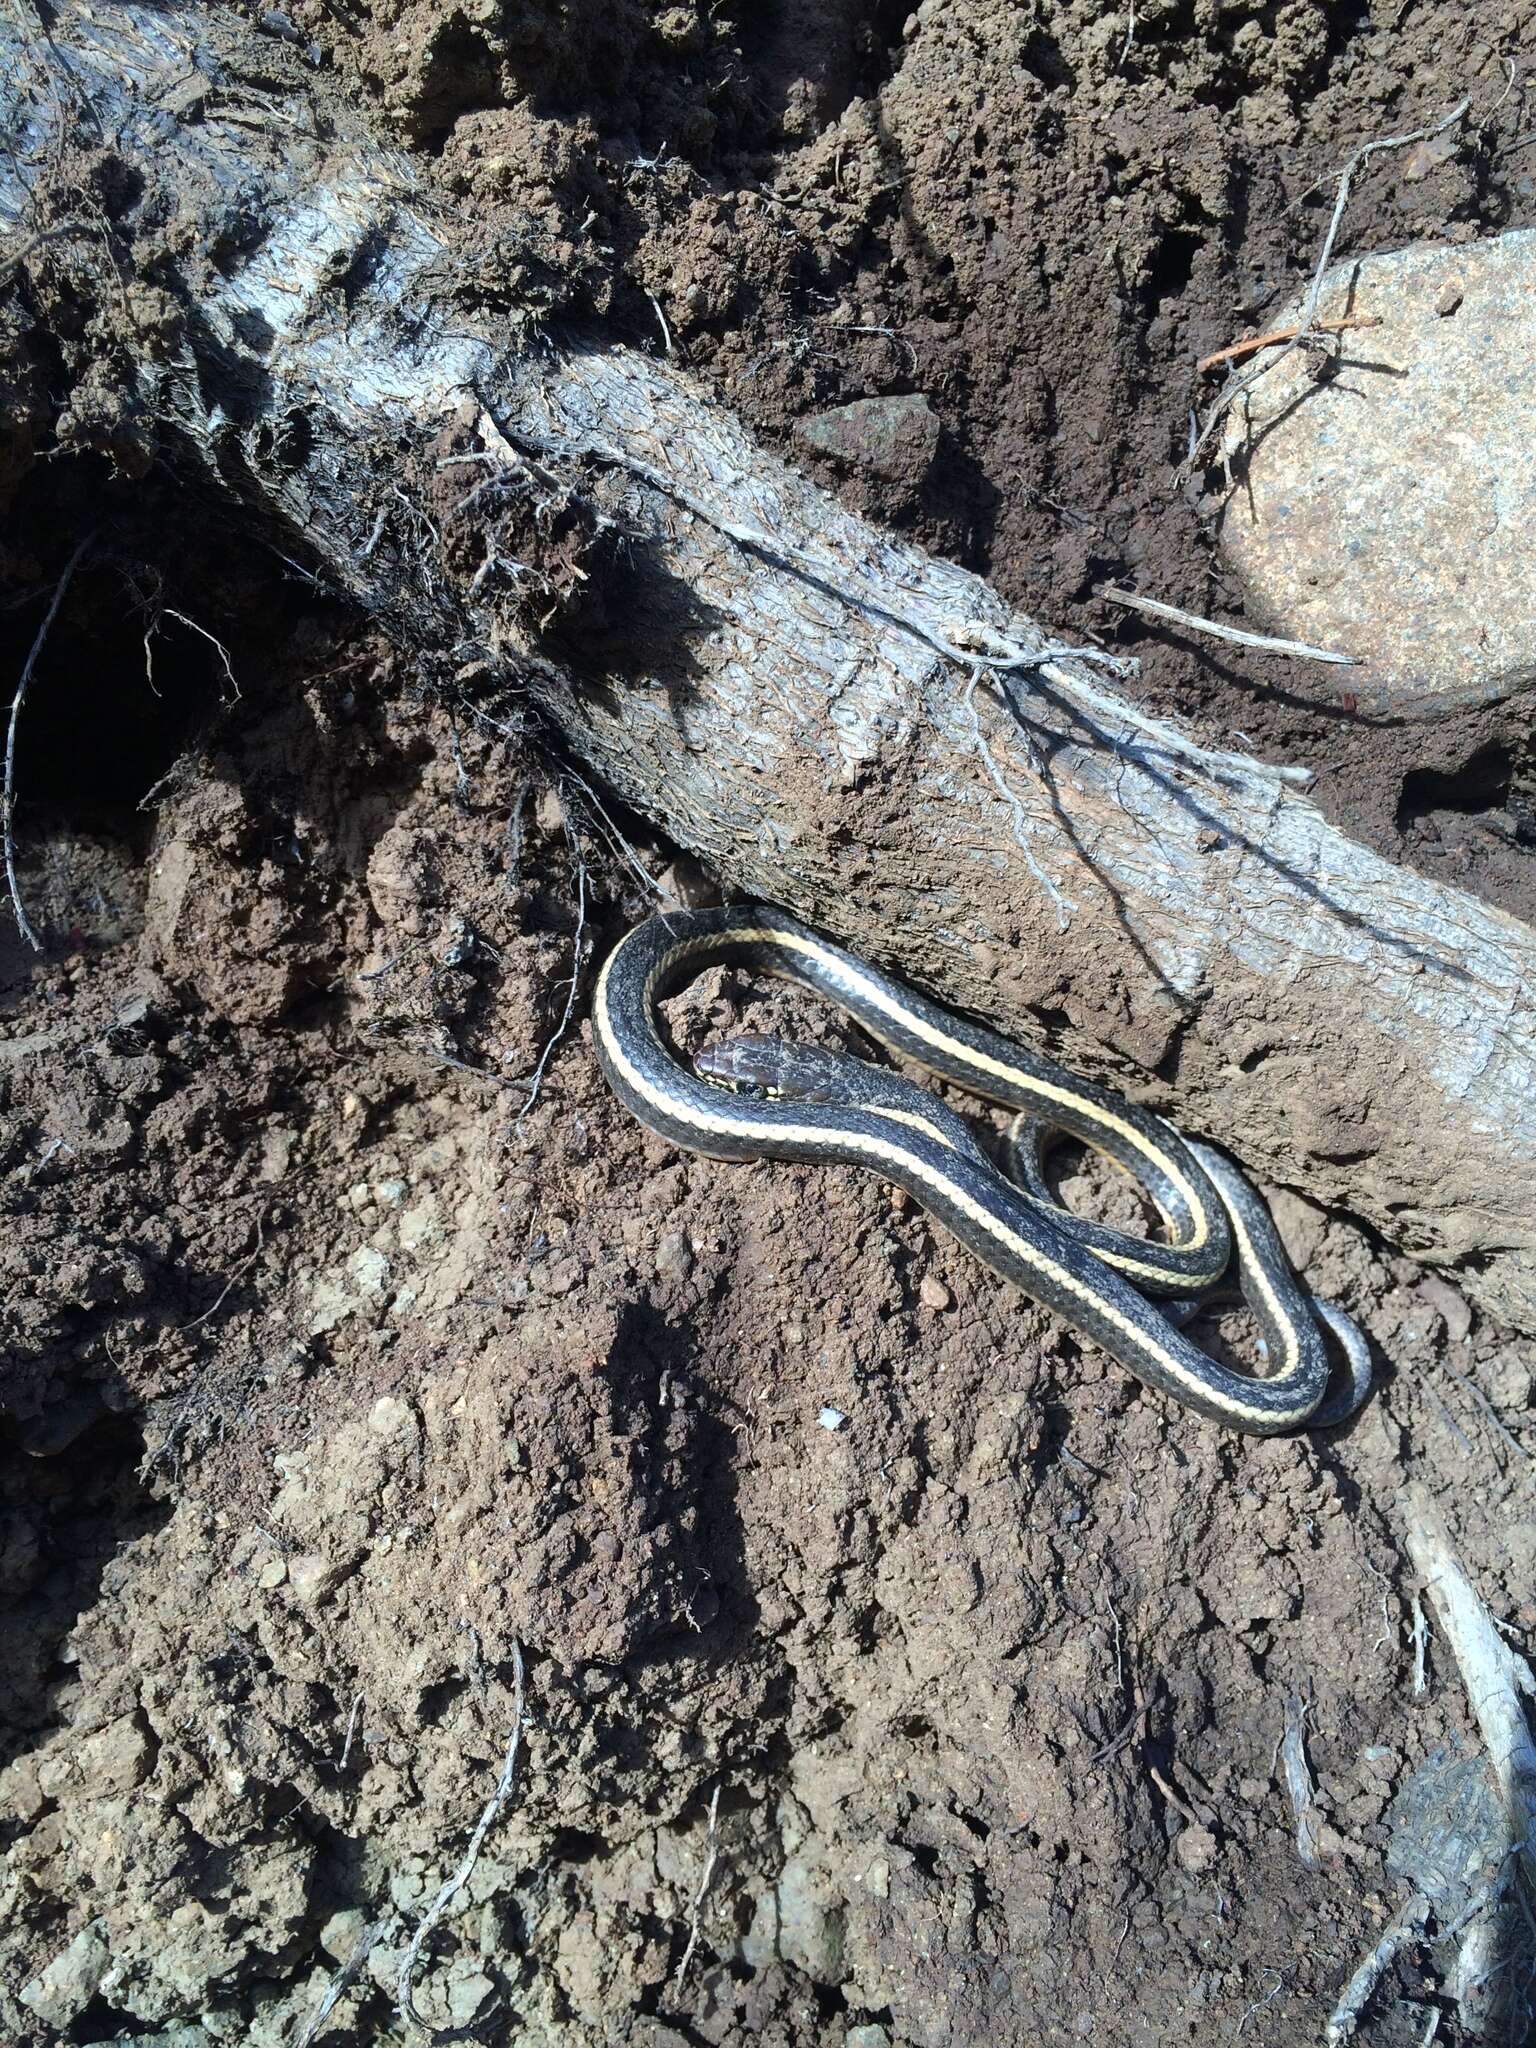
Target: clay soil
[[339, 1374]]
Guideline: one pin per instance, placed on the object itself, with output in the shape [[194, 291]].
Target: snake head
[[767, 1068]]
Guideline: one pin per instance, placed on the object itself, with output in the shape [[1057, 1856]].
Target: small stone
[[369, 1270], [1386, 511], [313, 1575], [421, 1224], [1451, 1306], [330, 1304], [894, 438], [276, 1153], [932, 1293], [559, 1276], [867, 2037], [1520, 1549], [468, 1990], [1450, 298], [1195, 1849], [342, 1932], [21, 1796], [832, 1418], [272, 1574], [390, 1416], [1509, 1383], [117, 1757], [69, 1983], [674, 1256]]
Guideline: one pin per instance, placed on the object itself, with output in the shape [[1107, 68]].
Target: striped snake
[[761, 1098]]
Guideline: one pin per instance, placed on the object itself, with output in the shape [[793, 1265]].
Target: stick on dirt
[[8, 803], [1493, 1676], [1405, 1928], [345, 1977], [706, 1878], [1265, 642], [404, 1994]]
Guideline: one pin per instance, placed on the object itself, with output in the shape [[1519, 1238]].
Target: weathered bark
[[826, 715]]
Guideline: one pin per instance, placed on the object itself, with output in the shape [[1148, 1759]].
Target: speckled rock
[[894, 438], [1389, 510]]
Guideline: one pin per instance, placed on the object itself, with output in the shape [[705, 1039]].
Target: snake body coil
[[1082, 1270]]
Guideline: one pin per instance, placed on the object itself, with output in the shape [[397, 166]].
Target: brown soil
[[331, 1375]]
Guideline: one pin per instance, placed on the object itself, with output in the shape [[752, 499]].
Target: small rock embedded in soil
[[1388, 510], [1195, 1849], [69, 1983], [894, 438], [932, 1293]]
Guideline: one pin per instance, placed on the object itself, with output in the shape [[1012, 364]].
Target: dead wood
[[827, 716]]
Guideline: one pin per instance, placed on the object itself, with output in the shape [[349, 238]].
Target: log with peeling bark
[[828, 717]]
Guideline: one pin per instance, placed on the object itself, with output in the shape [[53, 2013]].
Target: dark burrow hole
[[167, 619], [1481, 783], [102, 722]]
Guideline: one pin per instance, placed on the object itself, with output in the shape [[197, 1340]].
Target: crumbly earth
[[893, 1669]]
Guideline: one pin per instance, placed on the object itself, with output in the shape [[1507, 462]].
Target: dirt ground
[[338, 1375]]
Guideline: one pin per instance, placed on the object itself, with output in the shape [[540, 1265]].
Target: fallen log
[[828, 717]]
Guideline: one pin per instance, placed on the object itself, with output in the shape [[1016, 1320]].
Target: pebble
[[674, 1256], [1451, 1306], [894, 438], [390, 1416], [1195, 1849], [1387, 510], [117, 1757], [932, 1293], [314, 1574], [71, 1980]]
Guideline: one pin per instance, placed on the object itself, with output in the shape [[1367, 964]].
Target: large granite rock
[[1389, 510]]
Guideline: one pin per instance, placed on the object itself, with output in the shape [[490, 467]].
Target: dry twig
[[8, 801], [1495, 1680], [222, 1296], [1236, 349], [1308, 324], [1492, 1674], [706, 1878], [1404, 1929], [536, 1078], [1420, 1646], [1265, 642], [1176, 1800], [405, 1999], [345, 1977]]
